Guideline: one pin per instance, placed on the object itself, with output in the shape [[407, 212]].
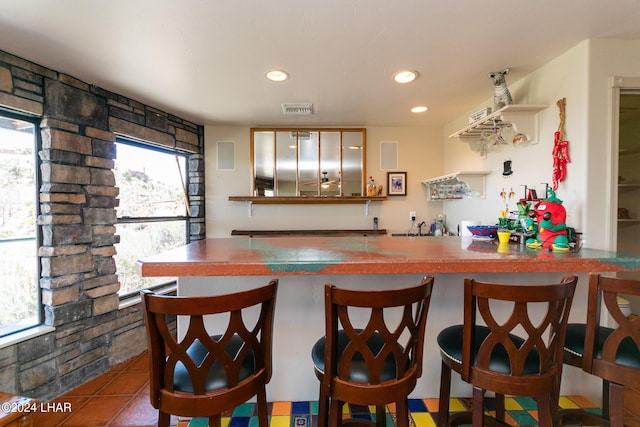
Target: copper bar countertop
[[245, 256]]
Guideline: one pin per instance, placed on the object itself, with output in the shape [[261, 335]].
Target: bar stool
[[203, 375], [495, 358], [372, 362], [609, 353]]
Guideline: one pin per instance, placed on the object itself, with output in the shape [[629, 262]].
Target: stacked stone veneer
[[78, 200]]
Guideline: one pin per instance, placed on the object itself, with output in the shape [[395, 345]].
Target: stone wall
[[78, 200]]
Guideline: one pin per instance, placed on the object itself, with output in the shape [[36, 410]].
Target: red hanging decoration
[[560, 148]]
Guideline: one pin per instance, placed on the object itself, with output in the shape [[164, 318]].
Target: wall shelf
[[294, 200], [455, 186], [523, 118], [262, 233]]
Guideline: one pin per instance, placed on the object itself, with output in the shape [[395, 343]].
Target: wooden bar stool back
[[609, 353], [372, 362], [204, 374], [518, 354]]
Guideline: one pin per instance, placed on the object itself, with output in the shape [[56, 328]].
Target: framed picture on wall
[[397, 183]]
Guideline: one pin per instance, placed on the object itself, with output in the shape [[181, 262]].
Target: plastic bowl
[[490, 231]]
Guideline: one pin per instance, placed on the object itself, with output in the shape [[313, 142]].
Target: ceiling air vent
[[305, 109]]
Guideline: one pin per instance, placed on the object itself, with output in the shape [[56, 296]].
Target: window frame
[[121, 139], [22, 326]]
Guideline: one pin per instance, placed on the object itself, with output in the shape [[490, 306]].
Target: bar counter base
[[299, 322]]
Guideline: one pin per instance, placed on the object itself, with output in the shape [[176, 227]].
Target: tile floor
[[120, 398]]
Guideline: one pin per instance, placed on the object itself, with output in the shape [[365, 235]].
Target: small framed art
[[397, 183]]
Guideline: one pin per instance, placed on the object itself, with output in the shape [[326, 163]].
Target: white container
[[625, 306]]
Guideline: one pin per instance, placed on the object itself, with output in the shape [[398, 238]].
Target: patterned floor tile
[[521, 412]]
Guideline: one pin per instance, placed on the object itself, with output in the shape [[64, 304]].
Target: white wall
[[582, 76], [532, 163], [419, 154], [608, 58]]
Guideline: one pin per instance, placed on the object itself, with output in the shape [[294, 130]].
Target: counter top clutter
[[244, 256]]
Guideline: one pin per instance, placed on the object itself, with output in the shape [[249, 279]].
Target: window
[[152, 208], [19, 266]]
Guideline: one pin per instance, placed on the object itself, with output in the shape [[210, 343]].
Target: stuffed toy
[[552, 227], [501, 94]]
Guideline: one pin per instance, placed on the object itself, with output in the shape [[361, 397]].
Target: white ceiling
[[205, 60]]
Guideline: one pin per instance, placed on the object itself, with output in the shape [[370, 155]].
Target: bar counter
[[371, 255], [304, 264]]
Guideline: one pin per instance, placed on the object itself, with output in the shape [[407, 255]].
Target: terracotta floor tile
[[140, 363], [53, 417], [125, 384], [98, 411], [123, 366], [138, 412], [93, 386], [145, 389]]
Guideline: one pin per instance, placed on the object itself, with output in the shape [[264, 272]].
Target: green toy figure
[[552, 227], [531, 224]]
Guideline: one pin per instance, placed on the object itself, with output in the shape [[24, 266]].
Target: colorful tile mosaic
[[521, 411]]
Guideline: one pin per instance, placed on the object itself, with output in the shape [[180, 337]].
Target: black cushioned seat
[[217, 378], [358, 371], [628, 353], [450, 343]]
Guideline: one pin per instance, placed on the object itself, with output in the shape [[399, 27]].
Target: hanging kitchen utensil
[[560, 148]]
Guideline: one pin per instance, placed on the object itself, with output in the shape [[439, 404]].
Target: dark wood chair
[[519, 355], [372, 362], [609, 353], [204, 374]]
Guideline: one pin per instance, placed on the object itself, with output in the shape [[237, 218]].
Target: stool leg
[[545, 417], [402, 413], [335, 413], [215, 421], [323, 408], [606, 387], [616, 405], [477, 407], [445, 394], [261, 400], [499, 401], [163, 419], [381, 416]]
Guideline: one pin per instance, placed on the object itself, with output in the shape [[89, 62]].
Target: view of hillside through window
[[18, 245], [152, 209], [151, 217]]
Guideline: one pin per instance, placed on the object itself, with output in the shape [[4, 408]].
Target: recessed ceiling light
[[419, 109], [277, 75], [405, 76]]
